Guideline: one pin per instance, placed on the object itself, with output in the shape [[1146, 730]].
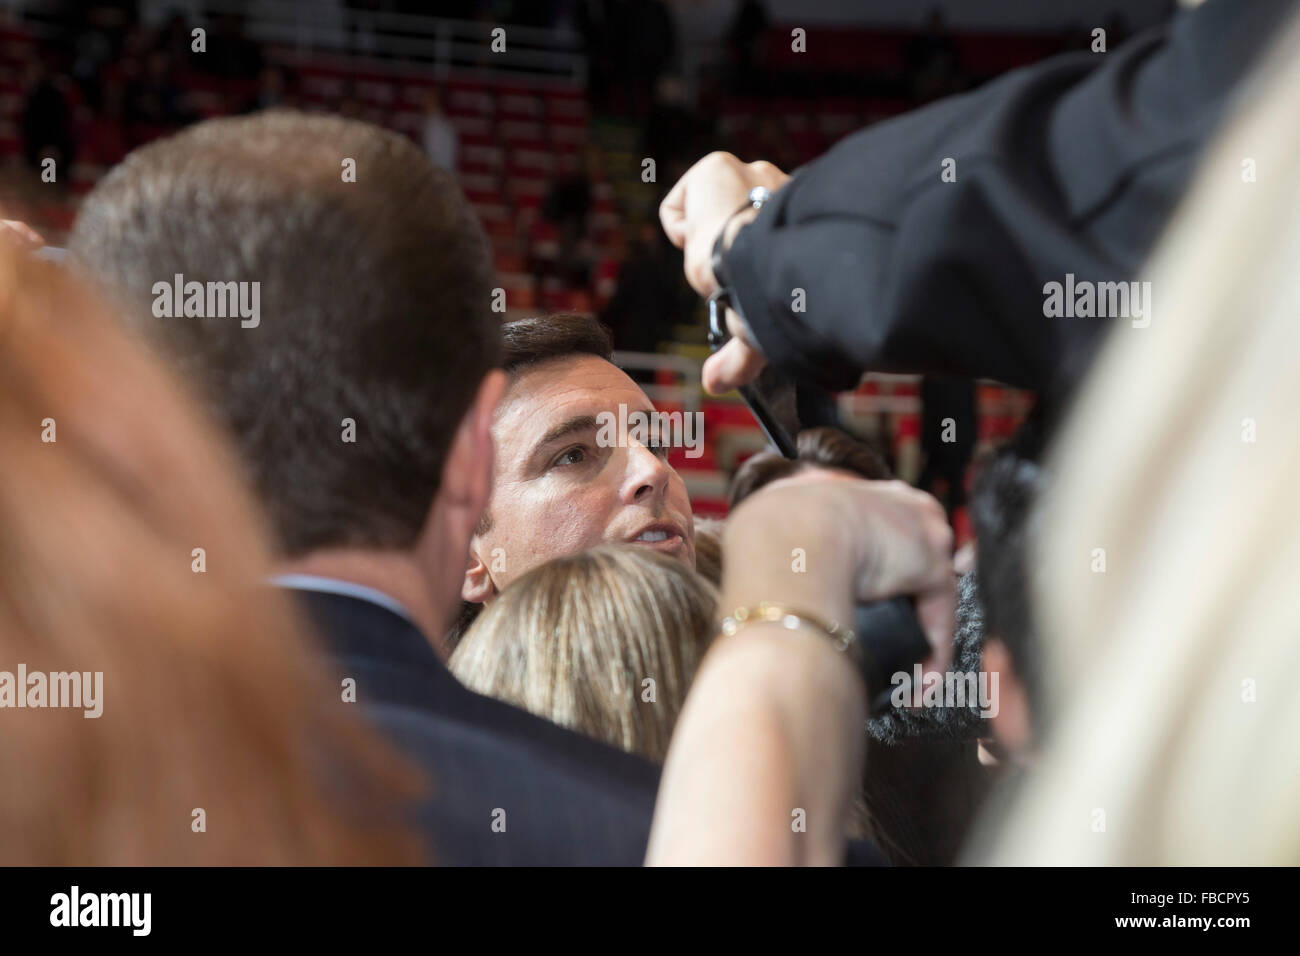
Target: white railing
[[687, 394], [438, 44]]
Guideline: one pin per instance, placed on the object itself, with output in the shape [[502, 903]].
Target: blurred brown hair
[[573, 640], [209, 693], [823, 447]]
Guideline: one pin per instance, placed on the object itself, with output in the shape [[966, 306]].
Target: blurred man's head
[[560, 486], [358, 397], [1002, 511]]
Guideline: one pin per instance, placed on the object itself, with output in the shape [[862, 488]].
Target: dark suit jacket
[[568, 800], [1069, 166]]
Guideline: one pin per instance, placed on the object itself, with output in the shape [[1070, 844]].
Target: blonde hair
[[1174, 671], [111, 482], [575, 640]]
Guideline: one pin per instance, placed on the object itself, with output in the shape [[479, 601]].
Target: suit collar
[[359, 629], [327, 585]]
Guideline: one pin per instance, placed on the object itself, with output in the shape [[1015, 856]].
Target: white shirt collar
[[314, 582]]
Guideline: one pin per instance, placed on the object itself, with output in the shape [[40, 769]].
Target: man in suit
[[362, 405]]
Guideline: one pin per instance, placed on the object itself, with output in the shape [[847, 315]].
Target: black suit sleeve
[[1070, 166]]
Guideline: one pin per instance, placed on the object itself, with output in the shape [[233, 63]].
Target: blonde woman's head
[[605, 642]]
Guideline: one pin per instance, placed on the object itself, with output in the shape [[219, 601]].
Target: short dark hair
[[825, 447], [1002, 508], [376, 292], [539, 338]]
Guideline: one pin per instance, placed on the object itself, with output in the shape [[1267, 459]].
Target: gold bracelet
[[771, 612], [845, 640]]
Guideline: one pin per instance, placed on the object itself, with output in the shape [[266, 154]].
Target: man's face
[[561, 488]]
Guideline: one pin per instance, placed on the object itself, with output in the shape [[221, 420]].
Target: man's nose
[[647, 474]]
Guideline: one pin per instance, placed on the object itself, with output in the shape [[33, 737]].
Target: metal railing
[[438, 44]]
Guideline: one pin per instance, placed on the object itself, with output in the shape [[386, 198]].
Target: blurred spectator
[[349, 105], [96, 40], [438, 135], [46, 119], [104, 141], [175, 38], [651, 47], [230, 53], [629, 44], [155, 98], [674, 133], [932, 61], [745, 38], [567, 206], [597, 28], [650, 297], [274, 90]]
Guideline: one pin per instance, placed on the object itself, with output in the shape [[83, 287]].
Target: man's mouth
[[664, 537]]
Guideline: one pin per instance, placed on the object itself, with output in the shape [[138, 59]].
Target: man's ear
[[478, 587], [1011, 724], [467, 480]]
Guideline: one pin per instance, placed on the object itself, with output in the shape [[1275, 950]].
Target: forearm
[[766, 755]]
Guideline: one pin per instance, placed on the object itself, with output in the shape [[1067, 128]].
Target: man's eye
[[570, 456]]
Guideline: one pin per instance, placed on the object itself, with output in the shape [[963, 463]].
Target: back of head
[[1002, 512], [605, 642], [822, 447], [371, 281], [164, 678]]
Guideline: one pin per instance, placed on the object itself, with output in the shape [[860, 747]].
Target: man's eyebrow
[[581, 423]]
